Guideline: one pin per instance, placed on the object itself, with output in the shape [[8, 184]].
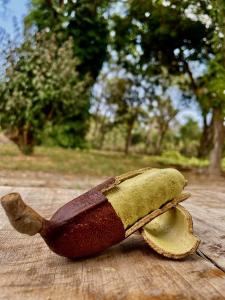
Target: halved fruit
[[171, 234]]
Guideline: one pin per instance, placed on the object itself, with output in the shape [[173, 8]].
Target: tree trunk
[[102, 138], [26, 148], [206, 140], [23, 138], [218, 142], [97, 121], [148, 140], [159, 142], [128, 137]]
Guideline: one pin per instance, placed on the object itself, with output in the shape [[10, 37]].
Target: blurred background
[[90, 89]]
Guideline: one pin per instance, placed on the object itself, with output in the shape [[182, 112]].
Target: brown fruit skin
[[84, 226]]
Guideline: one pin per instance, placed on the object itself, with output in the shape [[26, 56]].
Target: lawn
[[88, 162]]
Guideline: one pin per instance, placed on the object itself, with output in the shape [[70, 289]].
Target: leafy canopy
[[41, 86], [83, 21], [152, 34]]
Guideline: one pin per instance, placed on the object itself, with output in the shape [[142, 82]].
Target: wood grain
[[130, 270], [209, 222]]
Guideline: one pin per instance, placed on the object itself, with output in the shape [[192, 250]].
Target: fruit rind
[[149, 233]]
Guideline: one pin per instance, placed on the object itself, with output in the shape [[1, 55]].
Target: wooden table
[[130, 270]]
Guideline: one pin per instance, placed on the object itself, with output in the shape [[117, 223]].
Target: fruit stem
[[22, 217]]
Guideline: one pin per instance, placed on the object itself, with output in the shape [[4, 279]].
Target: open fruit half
[[110, 212], [171, 233]]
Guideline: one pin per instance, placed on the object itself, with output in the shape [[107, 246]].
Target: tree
[[154, 35], [83, 21], [206, 138], [164, 112], [41, 86], [128, 95], [102, 114], [211, 90], [217, 86], [189, 135], [215, 90]]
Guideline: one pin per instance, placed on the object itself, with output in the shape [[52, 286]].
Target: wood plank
[[130, 270], [208, 210]]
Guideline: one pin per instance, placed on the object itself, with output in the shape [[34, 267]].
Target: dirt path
[[41, 179], [81, 182]]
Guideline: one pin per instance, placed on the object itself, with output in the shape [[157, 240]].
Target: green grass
[[176, 159], [88, 162]]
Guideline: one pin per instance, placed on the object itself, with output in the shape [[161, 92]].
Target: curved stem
[[22, 217]]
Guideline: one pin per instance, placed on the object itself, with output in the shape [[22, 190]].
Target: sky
[[17, 9]]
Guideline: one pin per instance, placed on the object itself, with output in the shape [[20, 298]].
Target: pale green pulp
[[170, 233], [135, 197]]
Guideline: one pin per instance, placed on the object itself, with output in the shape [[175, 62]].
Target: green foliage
[[174, 158], [189, 135], [211, 86], [41, 87], [137, 137], [164, 113], [83, 21], [160, 40], [158, 45], [216, 84], [124, 94], [213, 83], [128, 95], [190, 130], [159, 35], [67, 135]]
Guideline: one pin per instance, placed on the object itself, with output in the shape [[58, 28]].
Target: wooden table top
[[130, 270]]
